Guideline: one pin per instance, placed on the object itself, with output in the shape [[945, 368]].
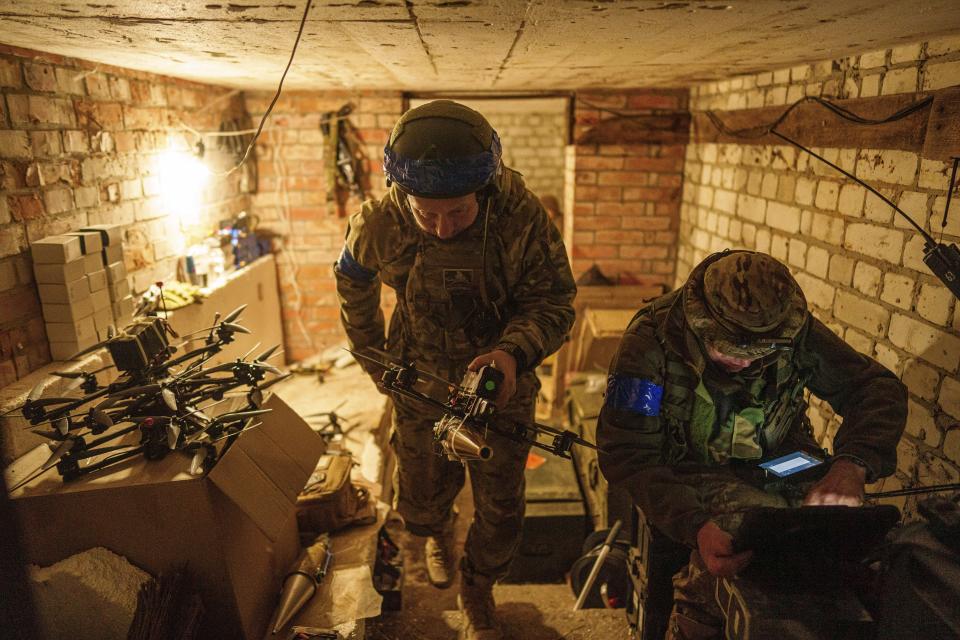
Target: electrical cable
[[761, 131], [263, 120], [943, 260]]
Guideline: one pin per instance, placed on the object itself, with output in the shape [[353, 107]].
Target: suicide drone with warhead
[[469, 412], [162, 398]]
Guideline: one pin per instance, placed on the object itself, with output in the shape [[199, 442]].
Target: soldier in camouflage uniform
[[708, 382], [481, 277]]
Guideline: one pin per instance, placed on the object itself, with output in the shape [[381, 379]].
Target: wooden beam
[[814, 125], [943, 130]]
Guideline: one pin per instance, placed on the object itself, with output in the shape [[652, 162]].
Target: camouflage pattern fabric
[[644, 437], [440, 319], [442, 322], [426, 483], [741, 302]]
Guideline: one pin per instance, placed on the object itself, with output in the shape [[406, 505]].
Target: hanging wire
[[263, 120], [763, 130]]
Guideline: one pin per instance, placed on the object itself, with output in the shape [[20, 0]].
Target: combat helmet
[[745, 304], [441, 149]]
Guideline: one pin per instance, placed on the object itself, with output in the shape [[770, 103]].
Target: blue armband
[[348, 266], [634, 395]]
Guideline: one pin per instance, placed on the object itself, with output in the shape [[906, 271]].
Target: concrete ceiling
[[468, 45]]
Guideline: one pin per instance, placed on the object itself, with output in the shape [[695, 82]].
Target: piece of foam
[[89, 596]]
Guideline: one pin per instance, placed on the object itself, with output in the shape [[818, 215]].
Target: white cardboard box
[[66, 293], [58, 273], [110, 234], [97, 280], [66, 350], [90, 241], [119, 290], [81, 331], [93, 262], [113, 253], [103, 320], [56, 249], [68, 312], [116, 271], [101, 300]]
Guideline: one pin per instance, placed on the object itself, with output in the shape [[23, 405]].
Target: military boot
[[438, 555], [478, 609]]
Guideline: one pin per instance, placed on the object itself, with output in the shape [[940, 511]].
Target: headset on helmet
[[442, 149]]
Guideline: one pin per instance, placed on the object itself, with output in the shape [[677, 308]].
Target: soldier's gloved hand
[[507, 365], [843, 485], [716, 549]]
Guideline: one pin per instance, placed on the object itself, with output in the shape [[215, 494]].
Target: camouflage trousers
[[427, 483], [696, 614]]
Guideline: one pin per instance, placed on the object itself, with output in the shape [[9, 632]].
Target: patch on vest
[[635, 395], [458, 281]]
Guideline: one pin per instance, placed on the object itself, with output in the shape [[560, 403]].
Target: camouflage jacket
[[645, 439], [456, 300]]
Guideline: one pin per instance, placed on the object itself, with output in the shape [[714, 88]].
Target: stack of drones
[[158, 404]]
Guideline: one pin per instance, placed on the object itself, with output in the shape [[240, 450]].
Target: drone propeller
[[391, 361], [101, 418], [266, 355], [62, 425], [173, 435], [232, 326], [233, 315], [169, 398]]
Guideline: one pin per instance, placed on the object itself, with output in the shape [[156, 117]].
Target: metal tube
[[595, 571]]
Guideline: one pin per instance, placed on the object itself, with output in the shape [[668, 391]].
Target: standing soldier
[[481, 277], [707, 383]]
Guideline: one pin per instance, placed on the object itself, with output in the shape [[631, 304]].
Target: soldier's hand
[[507, 365], [716, 549], [843, 485]]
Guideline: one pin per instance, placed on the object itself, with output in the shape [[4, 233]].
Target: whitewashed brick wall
[[860, 266]]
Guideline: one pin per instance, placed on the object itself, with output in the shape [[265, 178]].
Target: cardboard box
[[101, 299], [116, 272], [110, 234], [67, 293], [123, 312], [68, 312], [90, 241], [97, 280], [56, 249], [81, 331], [235, 528], [119, 290], [93, 262], [600, 337], [113, 253], [103, 320], [67, 350], [58, 273]]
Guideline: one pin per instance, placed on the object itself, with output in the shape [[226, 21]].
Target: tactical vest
[[784, 402], [452, 306]]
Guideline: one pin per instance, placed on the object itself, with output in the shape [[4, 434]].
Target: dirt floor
[[527, 611]]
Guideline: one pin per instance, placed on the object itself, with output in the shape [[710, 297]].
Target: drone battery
[[127, 353]]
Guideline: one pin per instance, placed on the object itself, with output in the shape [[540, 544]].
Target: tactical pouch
[[329, 501]]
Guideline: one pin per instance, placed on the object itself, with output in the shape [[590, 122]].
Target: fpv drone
[[469, 411], [160, 397]]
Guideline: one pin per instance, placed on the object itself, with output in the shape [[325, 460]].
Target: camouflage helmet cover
[[442, 149], [744, 304]]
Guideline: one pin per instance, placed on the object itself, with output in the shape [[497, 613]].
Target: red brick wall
[[625, 198], [78, 146], [292, 201]]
